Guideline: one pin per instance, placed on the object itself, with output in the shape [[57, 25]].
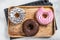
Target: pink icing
[[41, 19]]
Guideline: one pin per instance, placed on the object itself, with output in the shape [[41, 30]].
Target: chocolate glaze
[[30, 27]]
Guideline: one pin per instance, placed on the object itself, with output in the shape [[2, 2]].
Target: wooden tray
[[44, 31]]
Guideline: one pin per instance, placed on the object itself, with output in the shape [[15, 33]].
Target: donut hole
[[16, 15], [44, 15], [30, 26]]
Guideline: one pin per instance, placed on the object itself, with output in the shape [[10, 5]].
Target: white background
[[3, 25]]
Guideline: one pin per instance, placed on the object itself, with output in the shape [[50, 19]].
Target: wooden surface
[[44, 31]]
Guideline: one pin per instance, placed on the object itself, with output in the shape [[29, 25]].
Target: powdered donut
[[16, 15], [44, 16]]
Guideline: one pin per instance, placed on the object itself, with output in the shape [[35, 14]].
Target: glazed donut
[[16, 15], [44, 16], [30, 27]]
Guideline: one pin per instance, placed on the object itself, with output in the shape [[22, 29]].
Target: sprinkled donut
[[30, 27], [16, 15], [44, 16]]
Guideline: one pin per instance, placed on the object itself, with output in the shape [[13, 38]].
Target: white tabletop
[[3, 24]]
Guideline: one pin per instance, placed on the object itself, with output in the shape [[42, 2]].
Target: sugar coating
[[12, 17]]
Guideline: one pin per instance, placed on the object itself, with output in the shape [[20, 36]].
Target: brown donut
[[30, 27]]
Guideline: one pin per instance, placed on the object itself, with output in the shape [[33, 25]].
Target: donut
[[16, 15], [30, 27], [44, 16]]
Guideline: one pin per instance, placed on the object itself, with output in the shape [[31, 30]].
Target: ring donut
[[44, 16], [16, 15], [30, 27]]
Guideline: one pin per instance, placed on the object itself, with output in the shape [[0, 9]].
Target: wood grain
[[30, 11]]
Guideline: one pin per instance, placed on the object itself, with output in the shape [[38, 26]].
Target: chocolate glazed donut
[[30, 27]]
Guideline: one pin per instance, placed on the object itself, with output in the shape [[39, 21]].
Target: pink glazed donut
[[44, 16]]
